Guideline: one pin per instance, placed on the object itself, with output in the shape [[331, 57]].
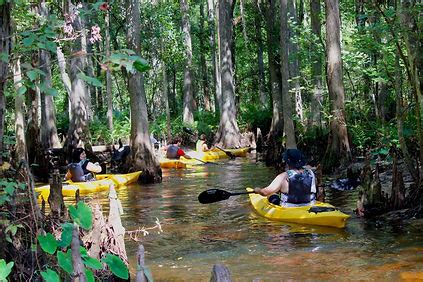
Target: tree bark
[[142, 153], [294, 68], [21, 151], [338, 149], [188, 114], [49, 136], [166, 101], [205, 81], [316, 57], [5, 46], [260, 64], [288, 124], [108, 74], [78, 133], [228, 134], [215, 55]]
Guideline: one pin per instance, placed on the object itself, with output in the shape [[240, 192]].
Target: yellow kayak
[[172, 163], [320, 214], [215, 154], [101, 184]]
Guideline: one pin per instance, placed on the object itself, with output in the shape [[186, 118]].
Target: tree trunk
[[166, 101], [412, 35], [78, 133], [142, 153], [188, 114], [294, 68], [338, 149], [276, 128], [21, 151], [61, 60], [288, 124], [49, 137], [215, 55], [228, 134], [5, 46], [205, 82], [316, 58], [108, 75], [261, 78]]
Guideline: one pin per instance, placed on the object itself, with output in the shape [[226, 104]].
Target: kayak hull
[[333, 218], [102, 183]]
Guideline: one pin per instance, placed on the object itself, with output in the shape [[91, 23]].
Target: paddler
[[294, 187], [81, 169]]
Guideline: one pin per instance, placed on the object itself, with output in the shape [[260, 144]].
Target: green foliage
[[117, 266], [81, 215], [252, 116], [48, 243], [50, 275], [8, 186], [5, 269]]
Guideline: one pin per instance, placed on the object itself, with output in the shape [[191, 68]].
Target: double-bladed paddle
[[216, 195]]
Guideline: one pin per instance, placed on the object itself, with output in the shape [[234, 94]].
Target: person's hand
[[257, 190]]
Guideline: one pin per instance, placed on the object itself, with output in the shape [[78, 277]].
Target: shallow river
[[196, 236]]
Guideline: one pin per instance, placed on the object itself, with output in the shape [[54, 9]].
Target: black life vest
[[79, 172], [300, 184], [172, 152]]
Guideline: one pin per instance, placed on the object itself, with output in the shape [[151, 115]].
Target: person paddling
[[294, 187], [174, 151], [81, 169], [201, 145]]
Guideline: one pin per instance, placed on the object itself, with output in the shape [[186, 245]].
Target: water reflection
[[196, 236]]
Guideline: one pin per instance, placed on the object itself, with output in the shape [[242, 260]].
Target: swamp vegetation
[[340, 81]]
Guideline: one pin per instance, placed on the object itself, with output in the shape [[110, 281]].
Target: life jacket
[[172, 152], [199, 145], [301, 187], [79, 172]]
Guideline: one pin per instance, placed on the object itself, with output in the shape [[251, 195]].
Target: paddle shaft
[[241, 193], [229, 154]]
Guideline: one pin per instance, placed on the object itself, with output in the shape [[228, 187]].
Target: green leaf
[[22, 90], [65, 261], [4, 57], [82, 215], [50, 275], [51, 46], [66, 237], [27, 41], [117, 266], [141, 65], [90, 80], [48, 243], [92, 263], [51, 92], [34, 74], [89, 275], [5, 269]]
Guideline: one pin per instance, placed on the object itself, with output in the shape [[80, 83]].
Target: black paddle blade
[[212, 196]]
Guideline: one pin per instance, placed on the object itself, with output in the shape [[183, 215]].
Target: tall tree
[[49, 137], [5, 44], [78, 133], [294, 65], [228, 133], [214, 54], [108, 72], [272, 41], [21, 151], [142, 153], [188, 112], [205, 80], [316, 70], [260, 63], [288, 123], [338, 149]]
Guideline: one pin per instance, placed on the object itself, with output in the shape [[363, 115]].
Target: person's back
[[172, 151], [201, 145]]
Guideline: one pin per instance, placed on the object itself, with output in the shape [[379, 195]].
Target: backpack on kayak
[[77, 173]]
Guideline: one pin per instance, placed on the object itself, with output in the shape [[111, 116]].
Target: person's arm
[[205, 147], [93, 167], [273, 187], [68, 175]]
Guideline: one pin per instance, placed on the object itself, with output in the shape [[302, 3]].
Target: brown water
[[196, 236]]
